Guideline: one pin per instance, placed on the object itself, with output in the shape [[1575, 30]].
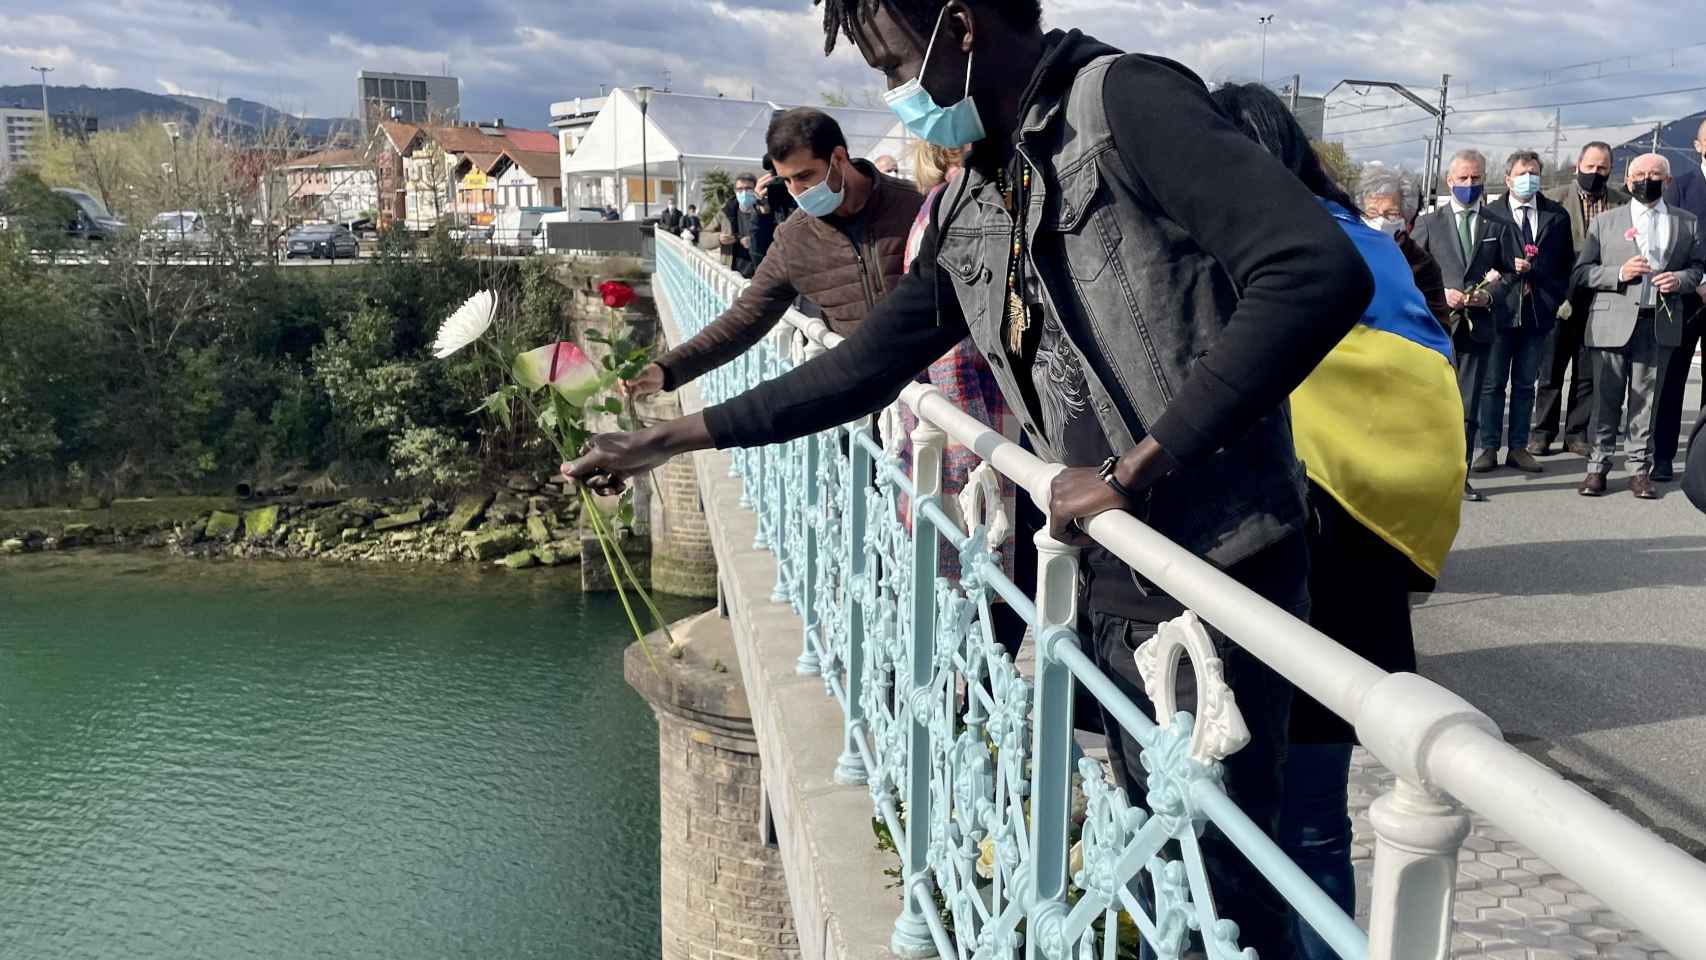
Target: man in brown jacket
[[844, 258]]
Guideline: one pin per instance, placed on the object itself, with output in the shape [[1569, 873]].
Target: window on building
[[419, 89], [388, 88], [370, 87]]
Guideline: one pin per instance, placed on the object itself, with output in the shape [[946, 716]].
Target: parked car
[[322, 241], [363, 227], [93, 220], [515, 227], [184, 229]]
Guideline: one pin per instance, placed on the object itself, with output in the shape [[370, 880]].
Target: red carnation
[[1530, 251], [616, 294]]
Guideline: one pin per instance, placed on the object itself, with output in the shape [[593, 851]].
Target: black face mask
[[1647, 191], [1592, 184]]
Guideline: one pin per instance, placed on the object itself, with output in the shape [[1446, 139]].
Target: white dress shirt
[[1652, 234], [1525, 209]]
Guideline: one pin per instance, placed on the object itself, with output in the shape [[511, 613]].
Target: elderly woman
[[1388, 201]]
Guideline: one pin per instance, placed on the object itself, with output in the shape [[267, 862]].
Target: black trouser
[[1473, 361], [1673, 383], [1565, 349], [1253, 774]]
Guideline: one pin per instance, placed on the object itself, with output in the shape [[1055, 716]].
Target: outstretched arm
[[897, 340]]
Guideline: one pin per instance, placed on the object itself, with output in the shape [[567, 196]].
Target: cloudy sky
[[515, 58]]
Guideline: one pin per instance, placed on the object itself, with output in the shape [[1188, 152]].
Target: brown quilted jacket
[[813, 259]]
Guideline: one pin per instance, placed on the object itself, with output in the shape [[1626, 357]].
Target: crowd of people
[[1291, 381]]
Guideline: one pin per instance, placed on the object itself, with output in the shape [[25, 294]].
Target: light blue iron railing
[[971, 765]]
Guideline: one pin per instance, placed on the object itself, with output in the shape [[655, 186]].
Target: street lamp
[[643, 94], [174, 133], [44, 71], [1264, 21]]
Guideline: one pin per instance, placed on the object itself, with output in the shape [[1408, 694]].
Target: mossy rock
[[223, 526], [76, 533], [397, 521], [538, 530], [469, 512], [495, 542], [520, 560], [260, 522]]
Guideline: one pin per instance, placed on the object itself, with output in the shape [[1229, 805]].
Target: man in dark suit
[[1687, 191], [1475, 255], [1539, 285], [1564, 353]]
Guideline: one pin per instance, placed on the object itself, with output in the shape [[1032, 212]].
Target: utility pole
[[46, 117], [1264, 21], [1439, 138], [1557, 136], [1296, 87], [1656, 137]]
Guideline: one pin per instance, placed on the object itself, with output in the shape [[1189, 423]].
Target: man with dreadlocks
[[1147, 284]]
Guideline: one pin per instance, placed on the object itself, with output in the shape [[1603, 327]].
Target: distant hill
[[116, 108]]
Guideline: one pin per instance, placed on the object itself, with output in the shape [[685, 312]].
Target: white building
[[685, 137], [525, 178], [333, 185], [18, 130]]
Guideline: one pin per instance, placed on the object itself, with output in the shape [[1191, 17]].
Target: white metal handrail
[[1443, 750]]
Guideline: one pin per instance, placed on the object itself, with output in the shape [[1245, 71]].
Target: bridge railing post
[[1051, 732], [912, 932], [850, 766], [1417, 835]]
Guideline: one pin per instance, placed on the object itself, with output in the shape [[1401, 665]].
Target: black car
[[322, 241]]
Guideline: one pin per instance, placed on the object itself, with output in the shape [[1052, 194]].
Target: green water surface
[[279, 760]]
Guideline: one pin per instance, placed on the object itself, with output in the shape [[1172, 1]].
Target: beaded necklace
[[1016, 317]]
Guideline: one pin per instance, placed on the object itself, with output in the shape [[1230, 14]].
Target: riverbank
[[527, 522]]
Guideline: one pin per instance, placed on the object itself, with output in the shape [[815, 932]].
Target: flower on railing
[[616, 294]]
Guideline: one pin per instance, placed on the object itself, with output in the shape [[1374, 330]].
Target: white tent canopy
[[688, 135]]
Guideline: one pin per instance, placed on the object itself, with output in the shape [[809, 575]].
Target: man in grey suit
[[1638, 260], [1469, 247], [1566, 362]]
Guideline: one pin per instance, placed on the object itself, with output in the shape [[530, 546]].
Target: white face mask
[[1387, 225]]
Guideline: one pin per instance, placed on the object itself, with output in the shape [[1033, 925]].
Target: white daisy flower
[[469, 323]]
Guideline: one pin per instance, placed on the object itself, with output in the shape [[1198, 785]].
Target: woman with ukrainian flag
[[1379, 428]]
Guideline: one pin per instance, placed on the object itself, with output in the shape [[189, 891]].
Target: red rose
[[616, 294], [1530, 251]]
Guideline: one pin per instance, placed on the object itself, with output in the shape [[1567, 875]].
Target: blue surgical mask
[[953, 126], [747, 198], [1468, 195], [1525, 185], [819, 200]]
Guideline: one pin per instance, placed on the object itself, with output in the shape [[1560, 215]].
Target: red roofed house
[[332, 184], [446, 170], [527, 178]]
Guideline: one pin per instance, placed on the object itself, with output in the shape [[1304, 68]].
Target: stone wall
[[724, 895]]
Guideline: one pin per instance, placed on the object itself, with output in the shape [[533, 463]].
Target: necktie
[[1527, 227], [1464, 236], [1651, 244]]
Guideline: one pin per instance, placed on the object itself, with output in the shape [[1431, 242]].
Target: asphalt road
[[1579, 626]]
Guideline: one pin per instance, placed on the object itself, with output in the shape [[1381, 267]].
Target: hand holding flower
[[1666, 283], [1455, 300], [1634, 268]]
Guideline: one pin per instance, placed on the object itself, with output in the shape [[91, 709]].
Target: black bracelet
[[1107, 474]]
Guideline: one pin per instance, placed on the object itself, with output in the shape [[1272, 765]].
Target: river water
[[286, 761]]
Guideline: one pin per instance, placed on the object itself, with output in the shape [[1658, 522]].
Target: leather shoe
[[1538, 448], [1661, 473], [1580, 448], [1592, 485], [1472, 495], [1486, 462], [1524, 460], [1641, 485]]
